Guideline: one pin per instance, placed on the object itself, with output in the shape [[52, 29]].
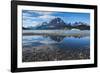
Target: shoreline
[[52, 53]]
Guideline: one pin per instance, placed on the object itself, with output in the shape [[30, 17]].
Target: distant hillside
[[82, 27]]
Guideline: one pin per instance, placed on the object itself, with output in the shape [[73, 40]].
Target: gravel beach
[[53, 53]]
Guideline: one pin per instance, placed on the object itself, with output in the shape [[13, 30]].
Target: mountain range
[[58, 23]]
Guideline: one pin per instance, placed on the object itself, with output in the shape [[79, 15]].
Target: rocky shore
[[53, 53]]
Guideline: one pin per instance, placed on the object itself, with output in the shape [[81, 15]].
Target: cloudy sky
[[35, 18]]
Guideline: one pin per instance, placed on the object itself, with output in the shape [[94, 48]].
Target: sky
[[35, 18]]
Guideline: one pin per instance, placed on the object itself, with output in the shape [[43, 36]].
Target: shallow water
[[59, 41]]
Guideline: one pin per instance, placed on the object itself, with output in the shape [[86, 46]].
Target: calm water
[[43, 47], [62, 42]]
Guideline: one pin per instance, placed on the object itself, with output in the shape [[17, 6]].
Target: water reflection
[[57, 38], [51, 48], [59, 41]]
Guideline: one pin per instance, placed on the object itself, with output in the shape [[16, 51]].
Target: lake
[[41, 47]]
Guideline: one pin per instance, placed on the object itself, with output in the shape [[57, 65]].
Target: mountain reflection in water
[[49, 48], [38, 40], [57, 38]]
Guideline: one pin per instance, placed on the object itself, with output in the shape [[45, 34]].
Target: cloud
[[29, 18], [35, 13], [29, 13], [44, 13], [47, 17], [30, 23], [35, 18]]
